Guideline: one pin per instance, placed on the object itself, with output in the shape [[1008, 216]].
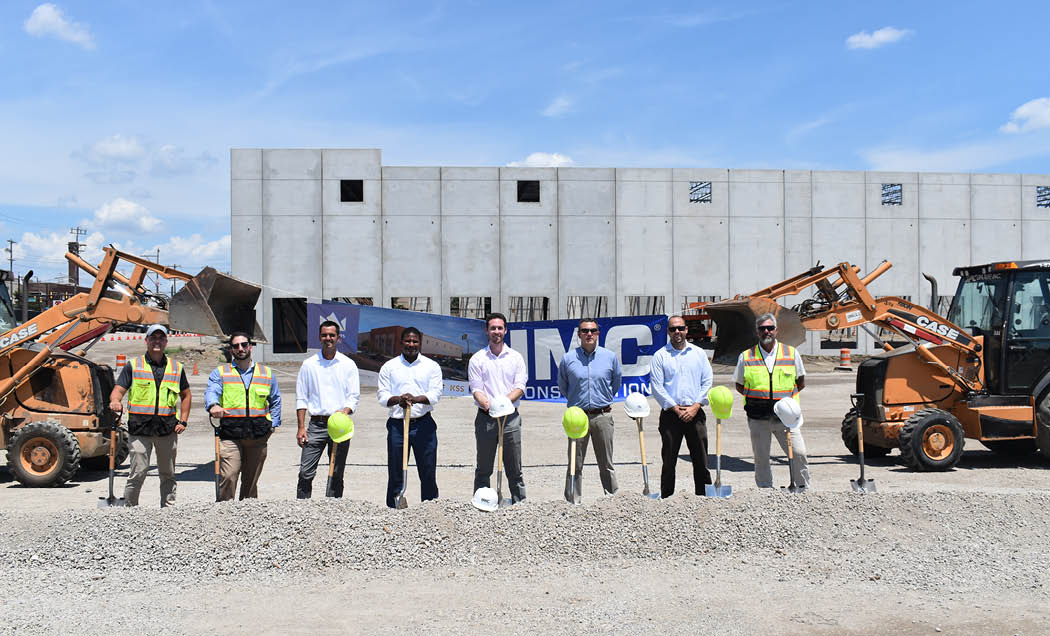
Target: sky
[[117, 117]]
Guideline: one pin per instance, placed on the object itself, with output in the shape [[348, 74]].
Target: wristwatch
[[184, 423]]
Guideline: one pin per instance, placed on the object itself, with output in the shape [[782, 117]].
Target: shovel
[[717, 489], [217, 476], [111, 501], [792, 487], [503, 503], [645, 467], [402, 503], [331, 467], [572, 471], [860, 484]]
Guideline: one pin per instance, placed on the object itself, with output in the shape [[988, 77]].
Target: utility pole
[[173, 282], [74, 246], [156, 277], [11, 262]]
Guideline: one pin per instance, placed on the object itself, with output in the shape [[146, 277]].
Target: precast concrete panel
[[909, 205], [798, 252], [992, 241], [756, 193], [469, 191], [470, 251], [644, 264], [1035, 240], [896, 241], [838, 240], [586, 258], [508, 191], [365, 164], [586, 198], [585, 174], [798, 193], [943, 245], [838, 194], [282, 197], [247, 250], [643, 198], [700, 257], [246, 197], [682, 206], [412, 257], [246, 163], [1029, 183], [411, 191], [332, 204], [291, 164], [756, 253], [944, 196], [995, 196], [291, 265], [529, 261], [352, 257]]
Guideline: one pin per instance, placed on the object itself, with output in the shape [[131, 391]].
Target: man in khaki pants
[[245, 399]]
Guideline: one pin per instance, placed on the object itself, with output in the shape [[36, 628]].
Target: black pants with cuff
[[672, 430]]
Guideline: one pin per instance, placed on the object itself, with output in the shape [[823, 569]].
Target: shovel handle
[[860, 436], [718, 436], [641, 439], [331, 460], [572, 458], [791, 453], [112, 449], [499, 445], [404, 443]]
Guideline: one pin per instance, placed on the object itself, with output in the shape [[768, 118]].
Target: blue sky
[[118, 116]]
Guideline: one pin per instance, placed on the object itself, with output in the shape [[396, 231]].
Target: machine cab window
[[978, 303]]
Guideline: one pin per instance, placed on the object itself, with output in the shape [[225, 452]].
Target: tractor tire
[[931, 440], [43, 454], [102, 461], [1012, 447], [849, 438], [1042, 417]]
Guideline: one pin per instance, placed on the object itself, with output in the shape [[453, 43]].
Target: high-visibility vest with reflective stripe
[[145, 397], [761, 384], [250, 403]]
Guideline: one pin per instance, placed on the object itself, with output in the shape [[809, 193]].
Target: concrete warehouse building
[[548, 243]]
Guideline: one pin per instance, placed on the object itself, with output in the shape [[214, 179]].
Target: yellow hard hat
[[721, 400], [574, 422], [340, 427]]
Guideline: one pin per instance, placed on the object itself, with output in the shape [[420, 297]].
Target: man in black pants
[[681, 377]]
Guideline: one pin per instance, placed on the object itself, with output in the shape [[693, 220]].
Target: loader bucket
[[735, 325], [215, 304]]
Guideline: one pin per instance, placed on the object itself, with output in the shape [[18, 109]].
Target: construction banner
[[634, 340]]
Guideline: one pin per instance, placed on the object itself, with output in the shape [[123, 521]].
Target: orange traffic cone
[[844, 361], [194, 368]]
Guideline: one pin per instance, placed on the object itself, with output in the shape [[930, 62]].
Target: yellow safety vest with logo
[[762, 387], [145, 397], [250, 403]]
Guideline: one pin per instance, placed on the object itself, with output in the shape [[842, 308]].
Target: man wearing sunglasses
[[589, 377], [768, 372], [681, 376], [243, 397]]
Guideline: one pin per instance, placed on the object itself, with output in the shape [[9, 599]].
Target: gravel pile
[[944, 540]]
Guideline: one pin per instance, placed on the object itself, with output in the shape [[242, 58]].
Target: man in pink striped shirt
[[498, 370]]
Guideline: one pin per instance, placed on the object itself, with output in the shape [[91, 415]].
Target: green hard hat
[[721, 400], [574, 422], [340, 427]]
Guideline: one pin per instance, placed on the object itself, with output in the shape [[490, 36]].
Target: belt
[[319, 418], [598, 411]]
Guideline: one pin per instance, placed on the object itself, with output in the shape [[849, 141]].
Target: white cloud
[[1032, 115], [47, 20], [561, 105], [124, 215], [195, 251], [801, 130], [543, 160], [170, 160], [882, 37], [967, 157], [118, 148]]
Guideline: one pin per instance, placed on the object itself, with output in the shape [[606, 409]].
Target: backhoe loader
[[54, 402], [981, 372]]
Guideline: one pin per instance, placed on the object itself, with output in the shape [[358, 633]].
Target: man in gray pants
[[497, 370]]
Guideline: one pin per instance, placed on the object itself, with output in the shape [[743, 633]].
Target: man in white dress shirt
[[494, 371], [411, 381], [327, 382]]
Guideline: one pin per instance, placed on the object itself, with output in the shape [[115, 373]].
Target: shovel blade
[[505, 502], [719, 492], [215, 304], [863, 485], [793, 489], [110, 502]]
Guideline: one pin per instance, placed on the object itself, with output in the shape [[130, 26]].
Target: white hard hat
[[500, 406], [789, 412], [485, 499], [636, 405]]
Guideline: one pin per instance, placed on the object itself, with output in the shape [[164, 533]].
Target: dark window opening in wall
[[351, 191], [701, 327], [528, 192], [644, 305], [587, 307], [289, 325], [527, 308], [1042, 196], [839, 339], [892, 194], [411, 303], [470, 306], [354, 300], [699, 191]]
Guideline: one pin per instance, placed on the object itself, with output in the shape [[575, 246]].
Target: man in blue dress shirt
[[681, 376], [589, 377]]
